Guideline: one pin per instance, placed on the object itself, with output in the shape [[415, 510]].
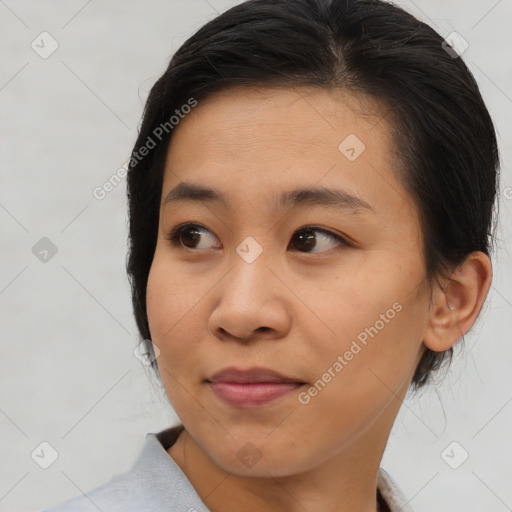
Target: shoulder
[[154, 483], [121, 493], [395, 500]]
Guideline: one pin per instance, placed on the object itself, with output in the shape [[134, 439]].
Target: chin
[[244, 459]]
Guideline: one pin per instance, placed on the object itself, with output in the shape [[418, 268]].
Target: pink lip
[[254, 387]]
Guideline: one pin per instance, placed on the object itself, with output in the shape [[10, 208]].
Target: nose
[[252, 303]]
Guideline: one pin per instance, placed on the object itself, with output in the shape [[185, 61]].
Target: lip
[[250, 376], [254, 387]]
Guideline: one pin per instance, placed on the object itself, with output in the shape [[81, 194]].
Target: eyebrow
[[312, 196]]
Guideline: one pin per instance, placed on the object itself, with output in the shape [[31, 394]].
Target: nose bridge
[[249, 274]]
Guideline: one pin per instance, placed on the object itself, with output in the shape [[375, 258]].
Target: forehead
[[249, 142], [244, 119]]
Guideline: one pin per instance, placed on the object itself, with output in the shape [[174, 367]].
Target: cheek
[[158, 302], [360, 381], [172, 297], [376, 328], [172, 306]]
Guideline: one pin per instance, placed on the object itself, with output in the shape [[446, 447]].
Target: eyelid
[[177, 228], [325, 231], [176, 231], [343, 240]]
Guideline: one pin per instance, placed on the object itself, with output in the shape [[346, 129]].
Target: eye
[[189, 235], [306, 240]]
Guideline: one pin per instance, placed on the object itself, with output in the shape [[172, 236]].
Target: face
[[324, 288]]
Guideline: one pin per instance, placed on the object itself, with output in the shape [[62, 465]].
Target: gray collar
[[154, 466]]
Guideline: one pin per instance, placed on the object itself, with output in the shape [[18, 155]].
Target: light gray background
[[69, 377]]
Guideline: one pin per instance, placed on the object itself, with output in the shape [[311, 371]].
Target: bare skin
[[298, 306]]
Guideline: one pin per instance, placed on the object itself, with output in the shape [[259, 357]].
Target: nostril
[[247, 336]]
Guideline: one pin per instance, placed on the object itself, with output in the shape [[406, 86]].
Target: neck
[[345, 482]]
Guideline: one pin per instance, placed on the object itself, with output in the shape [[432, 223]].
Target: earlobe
[[455, 307]]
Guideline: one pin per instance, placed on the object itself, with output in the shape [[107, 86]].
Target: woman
[[311, 202]]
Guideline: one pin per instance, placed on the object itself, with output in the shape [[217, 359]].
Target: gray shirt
[[155, 483]]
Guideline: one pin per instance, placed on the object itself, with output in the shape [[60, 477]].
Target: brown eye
[[306, 240], [189, 236]]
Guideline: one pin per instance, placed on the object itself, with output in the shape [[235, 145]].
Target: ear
[[454, 307]]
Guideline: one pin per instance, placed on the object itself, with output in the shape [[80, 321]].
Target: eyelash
[[174, 236]]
